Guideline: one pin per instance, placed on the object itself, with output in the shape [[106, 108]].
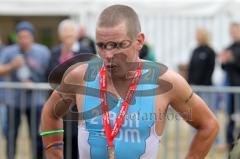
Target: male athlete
[[129, 101]]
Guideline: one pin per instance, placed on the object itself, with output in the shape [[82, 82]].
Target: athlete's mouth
[[111, 66]]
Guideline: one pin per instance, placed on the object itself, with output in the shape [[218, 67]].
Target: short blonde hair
[[116, 14], [205, 35]]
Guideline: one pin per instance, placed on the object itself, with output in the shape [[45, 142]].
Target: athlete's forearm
[[49, 123], [51, 120], [203, 141]]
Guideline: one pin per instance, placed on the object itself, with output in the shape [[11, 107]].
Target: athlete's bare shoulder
[[178, 88], [75, 74], [171, 76]]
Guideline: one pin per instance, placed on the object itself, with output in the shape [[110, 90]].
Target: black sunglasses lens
[[100, 45], [124, 44], [111, 45]]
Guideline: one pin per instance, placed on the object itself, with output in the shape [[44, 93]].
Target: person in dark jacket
[[202, 62], [201, 66], [230, 60], [69, 48]]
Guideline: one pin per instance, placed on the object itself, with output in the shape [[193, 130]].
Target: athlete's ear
[[140, 41]]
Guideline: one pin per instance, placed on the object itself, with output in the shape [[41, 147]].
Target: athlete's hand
[[54, 153]]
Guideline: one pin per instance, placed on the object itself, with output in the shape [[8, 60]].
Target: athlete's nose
[[108, 54]]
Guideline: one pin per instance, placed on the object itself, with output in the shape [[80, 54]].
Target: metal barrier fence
[[174, 144], [21, 102]]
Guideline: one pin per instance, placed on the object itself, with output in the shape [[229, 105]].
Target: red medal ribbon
[[110, 132]]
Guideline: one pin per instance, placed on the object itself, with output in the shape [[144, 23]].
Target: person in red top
[[69, 47]]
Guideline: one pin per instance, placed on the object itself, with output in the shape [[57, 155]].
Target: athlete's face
[[116, 48]]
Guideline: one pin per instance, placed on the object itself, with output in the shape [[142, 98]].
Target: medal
[[110, 132], [111, 152]]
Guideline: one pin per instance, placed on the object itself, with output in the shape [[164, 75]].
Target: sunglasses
[[113, 45]]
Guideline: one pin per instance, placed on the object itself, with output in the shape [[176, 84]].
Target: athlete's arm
[[54, 109], [184, 101]]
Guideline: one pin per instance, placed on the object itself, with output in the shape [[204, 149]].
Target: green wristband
[[45, 133]]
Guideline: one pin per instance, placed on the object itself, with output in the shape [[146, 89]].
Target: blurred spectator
[[202, 61], [24, 61], [201, 66], [147, 53], [230, 60], [68, 34], [86, 40], [69, 47]]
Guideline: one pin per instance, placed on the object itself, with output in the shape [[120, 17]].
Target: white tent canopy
[[166, 7], [169, 25]]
